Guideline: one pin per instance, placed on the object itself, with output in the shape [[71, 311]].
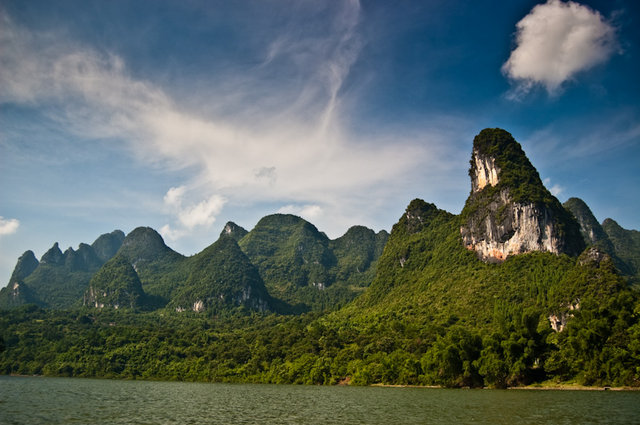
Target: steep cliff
[[509, 211]]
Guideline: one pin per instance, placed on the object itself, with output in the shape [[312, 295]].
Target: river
[[37, 400]]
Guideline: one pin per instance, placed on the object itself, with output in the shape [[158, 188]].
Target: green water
[[88, 401]]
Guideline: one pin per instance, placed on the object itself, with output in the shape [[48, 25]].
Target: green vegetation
[[59, 279], [516, 171], [222, 276], [626, 244], [284, 304], [438, 317], [303, 268], [116, 285]]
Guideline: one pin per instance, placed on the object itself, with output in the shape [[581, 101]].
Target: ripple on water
[[31, 400]]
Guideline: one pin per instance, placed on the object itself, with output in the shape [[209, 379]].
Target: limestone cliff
[[509, 211]]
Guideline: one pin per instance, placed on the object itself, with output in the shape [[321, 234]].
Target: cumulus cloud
[[8, 226], [555, 189], [279, 142], [192, 215], [310, 212], [555, 41]]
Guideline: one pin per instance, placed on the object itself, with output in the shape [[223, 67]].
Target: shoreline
[[534, 387], [556, 387]]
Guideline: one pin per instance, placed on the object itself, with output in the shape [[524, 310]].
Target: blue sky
[[183, 115]]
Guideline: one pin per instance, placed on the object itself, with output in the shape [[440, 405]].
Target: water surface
[[35, 400]]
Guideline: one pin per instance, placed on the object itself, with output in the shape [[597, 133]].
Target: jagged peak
[[53, 255], [26, 264], [233, 230], [609, 222], [509, 210], [591, 230], [498, 160], [356, 231]]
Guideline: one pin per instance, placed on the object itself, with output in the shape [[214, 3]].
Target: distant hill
[[115, 285], [626, 244], [222, 276], [59, 279], [302, 269], [302, 266], [517, 289]]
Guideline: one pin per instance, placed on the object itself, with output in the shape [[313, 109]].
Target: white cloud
[[201, 214], [192, 216], [8, 226], [555, 41], [555, 189], [309, 212], [169, 233], [255, 140], [173, 197]]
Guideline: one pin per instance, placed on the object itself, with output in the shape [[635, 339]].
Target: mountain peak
[[106, 245], [26, 264], [115, 285], [233, 230], [143, 243], [591, 230], [509, 210], [222, 275], [499, 161], [53, 255]]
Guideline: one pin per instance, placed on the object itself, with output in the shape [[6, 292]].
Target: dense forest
[[283, 303]]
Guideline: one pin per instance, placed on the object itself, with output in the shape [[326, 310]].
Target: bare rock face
[[509, 211]]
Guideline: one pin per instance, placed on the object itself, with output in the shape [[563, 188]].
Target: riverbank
[[539, 387]]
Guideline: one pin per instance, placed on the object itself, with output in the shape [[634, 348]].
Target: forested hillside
[[516, 290]]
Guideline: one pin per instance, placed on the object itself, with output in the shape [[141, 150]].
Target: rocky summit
[[509, 211]]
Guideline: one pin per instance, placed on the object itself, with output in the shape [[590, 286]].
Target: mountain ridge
[[435, 312]]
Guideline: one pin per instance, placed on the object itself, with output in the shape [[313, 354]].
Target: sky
[[183, 115]]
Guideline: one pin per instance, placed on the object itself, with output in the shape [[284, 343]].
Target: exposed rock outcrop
[[233, 230], [509, 211]]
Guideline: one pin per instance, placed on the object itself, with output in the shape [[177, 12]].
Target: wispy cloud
[[8, 226], [265, 140], [555, 41]]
